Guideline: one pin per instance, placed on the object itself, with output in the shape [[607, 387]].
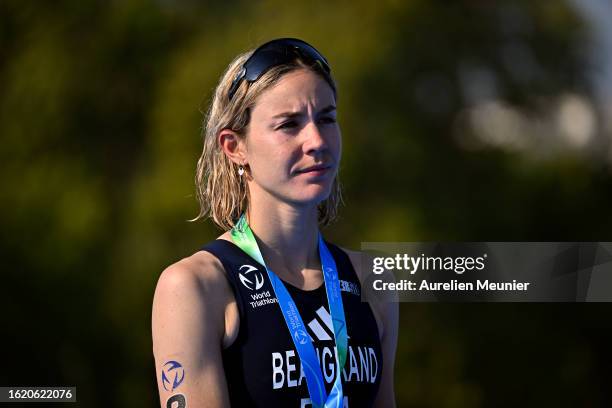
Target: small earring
[[240, 170]]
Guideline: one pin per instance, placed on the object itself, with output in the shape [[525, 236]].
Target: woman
[[268, 313]]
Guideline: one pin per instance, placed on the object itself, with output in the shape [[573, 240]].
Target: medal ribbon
[[243, 237]]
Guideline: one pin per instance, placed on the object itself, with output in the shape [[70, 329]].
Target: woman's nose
[[315, 141]]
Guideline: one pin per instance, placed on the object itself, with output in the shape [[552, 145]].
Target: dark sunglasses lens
[[308, 52], [281, 53], [277, 53], [266, 59]]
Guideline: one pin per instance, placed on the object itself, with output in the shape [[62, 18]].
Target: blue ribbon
[[243, 237]]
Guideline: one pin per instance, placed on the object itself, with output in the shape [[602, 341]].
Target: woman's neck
[[287, 236]]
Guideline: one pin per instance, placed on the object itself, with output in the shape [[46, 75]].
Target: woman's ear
[[233, 146]]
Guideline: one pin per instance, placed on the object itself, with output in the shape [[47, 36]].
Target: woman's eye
[[288, 125], [328, 119]]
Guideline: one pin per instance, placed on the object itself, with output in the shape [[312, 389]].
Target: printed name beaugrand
[[454, 285]]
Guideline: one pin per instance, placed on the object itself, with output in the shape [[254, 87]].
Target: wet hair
[[223, 194]]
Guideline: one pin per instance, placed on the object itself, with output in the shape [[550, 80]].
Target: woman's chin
[[312, 196]]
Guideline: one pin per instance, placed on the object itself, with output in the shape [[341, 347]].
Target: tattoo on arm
[[172, 375], [179, 399]]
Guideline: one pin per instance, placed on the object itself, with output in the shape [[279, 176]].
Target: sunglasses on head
[[278, 52]]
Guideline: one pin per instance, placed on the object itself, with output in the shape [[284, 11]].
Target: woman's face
[[293, 143]]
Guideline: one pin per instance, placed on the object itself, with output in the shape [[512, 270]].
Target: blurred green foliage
[[100, 114]]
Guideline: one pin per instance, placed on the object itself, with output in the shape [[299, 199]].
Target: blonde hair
[[224, 195]]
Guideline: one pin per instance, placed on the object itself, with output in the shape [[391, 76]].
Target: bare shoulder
[[355, 257], [358, 259], [202, 271], [190, 293]]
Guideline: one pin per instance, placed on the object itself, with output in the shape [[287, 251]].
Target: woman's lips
[[315, 171]]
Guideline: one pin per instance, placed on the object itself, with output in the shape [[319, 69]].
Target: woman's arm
[[188, 324]]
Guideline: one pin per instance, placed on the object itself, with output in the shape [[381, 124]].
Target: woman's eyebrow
[[287, 115], [291, 114], [327, 109]]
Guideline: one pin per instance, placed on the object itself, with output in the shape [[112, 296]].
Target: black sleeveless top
[[262, 367]]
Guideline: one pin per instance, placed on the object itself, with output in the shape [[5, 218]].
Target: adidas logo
[[321, 327]]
